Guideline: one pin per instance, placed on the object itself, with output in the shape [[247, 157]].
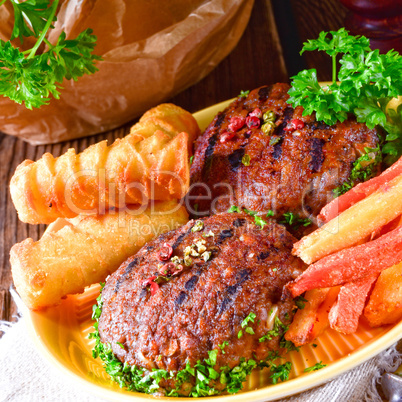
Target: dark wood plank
[[312, 17], [257, 60]]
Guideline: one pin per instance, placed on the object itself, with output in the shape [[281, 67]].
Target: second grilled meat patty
[[293, 168], [222, 269]]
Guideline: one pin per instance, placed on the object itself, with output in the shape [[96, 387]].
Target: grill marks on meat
[[317, 155], [239, 222], [263, 255], [241, 277], [224, 234], [191, 283], [179, 240], [287, 117], [180, 299], [263, 93], [235, 158], [204, 305], [219, 120], [295, 174], [126, 272]]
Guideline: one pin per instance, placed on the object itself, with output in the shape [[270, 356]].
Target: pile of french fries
[[356, 261]]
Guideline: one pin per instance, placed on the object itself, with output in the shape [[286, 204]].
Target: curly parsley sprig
[[29, 77], [364, 85]]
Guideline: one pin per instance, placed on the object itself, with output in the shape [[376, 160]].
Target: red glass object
[[378, 20]]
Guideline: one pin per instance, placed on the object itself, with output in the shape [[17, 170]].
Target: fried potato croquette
[[150, 163], [76, 253]]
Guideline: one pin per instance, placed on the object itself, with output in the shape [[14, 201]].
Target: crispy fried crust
[[151, 163], [73, 254]]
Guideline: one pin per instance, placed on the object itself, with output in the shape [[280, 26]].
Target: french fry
[[359, 192], [354, 224], [322, 321], [351, 264], [385, 303], [345, 313], [301, 329], [311, 321]]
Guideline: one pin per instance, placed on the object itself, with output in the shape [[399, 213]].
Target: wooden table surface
[[267, 53]]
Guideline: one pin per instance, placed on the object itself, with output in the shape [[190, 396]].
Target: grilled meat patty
[[222, 268], [294, 168]]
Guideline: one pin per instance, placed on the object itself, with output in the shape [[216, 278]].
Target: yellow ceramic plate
[[61, 334]]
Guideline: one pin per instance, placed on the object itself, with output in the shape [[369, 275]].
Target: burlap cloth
[[26, 376]]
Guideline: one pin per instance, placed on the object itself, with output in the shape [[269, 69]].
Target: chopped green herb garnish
[[233, 208], [316, 367], [120, 344], [250, 318], [243, 94], [223, 345], [212, 355], [191, 159], [294, 220], [314, 345], [239, 334], [273, 355], [364, 168], [289, 345], [257, 219], [275, 331], [280, 372], [300, 302], [270, 213], [251, 213]]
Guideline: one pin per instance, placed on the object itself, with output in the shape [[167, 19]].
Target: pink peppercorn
[[167, 269], [226, 136], [165, 252], [295, 124], [150, 282], [253, 121], [256, 112], [179, 268], [236, 123]]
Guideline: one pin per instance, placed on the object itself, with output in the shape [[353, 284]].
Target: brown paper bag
[[151, 50]]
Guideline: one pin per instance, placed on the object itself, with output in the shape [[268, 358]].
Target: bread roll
[[151, 163], [73, 254]]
